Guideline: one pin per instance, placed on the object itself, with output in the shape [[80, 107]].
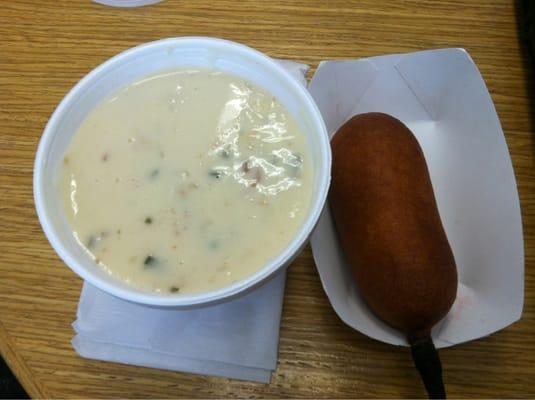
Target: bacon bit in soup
[[150, 261], [91, 242], [258, 176], [96, 239], [213, 244], [245, 166], [154, 173], [225, 152], [215, 174]]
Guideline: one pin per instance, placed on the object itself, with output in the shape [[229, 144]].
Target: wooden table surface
[[46, 46]]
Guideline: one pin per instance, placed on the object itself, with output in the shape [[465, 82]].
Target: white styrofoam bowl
[[142, 61]]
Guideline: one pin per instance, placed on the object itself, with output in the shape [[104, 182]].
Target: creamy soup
[[186, 181]]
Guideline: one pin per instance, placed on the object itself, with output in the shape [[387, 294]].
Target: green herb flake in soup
[[191, 170]]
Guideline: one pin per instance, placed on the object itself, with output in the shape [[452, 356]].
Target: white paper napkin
[[238, 339]]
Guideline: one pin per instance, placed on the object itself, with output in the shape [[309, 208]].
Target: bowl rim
[[228, 292]]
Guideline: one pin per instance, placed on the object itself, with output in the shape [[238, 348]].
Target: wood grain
[[48, 45]]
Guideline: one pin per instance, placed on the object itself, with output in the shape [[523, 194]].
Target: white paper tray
[[441, 96]]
